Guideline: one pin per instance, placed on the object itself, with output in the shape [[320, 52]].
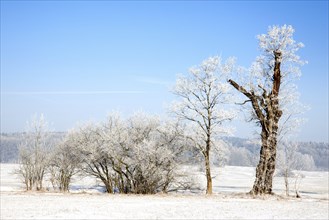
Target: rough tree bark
[[208, 145], [208, 173], [268, 113]]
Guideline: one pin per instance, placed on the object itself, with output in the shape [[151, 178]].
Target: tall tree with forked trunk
[[276, 67]]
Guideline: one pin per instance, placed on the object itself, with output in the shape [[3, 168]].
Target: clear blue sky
[[77, 61]]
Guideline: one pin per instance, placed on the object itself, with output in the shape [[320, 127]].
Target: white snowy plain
[[86, 201]]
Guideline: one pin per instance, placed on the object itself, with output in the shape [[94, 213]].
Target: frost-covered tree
[[291, 162], [287, 161], [34, 153], [149, 162], [94, 154], [64, 162], [146, 154], [278, 65], [202, 95], [136, 155]]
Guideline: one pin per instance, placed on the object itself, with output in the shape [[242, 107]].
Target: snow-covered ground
[[228, 202]]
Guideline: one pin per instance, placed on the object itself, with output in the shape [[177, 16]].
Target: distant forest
[[239, 151]]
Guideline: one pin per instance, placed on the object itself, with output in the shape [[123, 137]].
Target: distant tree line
[[239, 151]]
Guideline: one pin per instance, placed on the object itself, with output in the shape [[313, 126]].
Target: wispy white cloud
[[155, 81], [73, 92]]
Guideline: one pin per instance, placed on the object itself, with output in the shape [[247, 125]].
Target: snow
[[86, 201]]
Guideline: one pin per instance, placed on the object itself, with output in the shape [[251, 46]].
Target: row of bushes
[[138, 155]]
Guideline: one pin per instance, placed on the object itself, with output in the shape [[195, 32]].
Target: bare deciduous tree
[[33, 153], [64, 163], [291, 163], [202, 94], [287, 161], [94, 154]]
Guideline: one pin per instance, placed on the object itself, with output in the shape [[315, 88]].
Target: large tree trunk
[[266, 166], [268, 113], [259, 186], [270, 169]]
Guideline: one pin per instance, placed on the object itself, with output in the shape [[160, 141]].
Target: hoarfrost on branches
[[259, 75], [34, 153], [136, 155], [202, 95], [266, 87]]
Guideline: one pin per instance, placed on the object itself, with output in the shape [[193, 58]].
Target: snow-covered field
[[228, 202]]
